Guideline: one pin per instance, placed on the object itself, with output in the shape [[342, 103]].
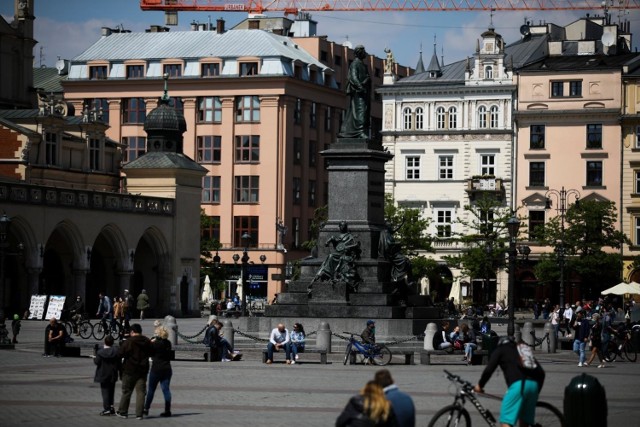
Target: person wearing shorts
[[519, 403]]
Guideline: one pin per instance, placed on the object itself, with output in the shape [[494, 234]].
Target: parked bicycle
[[455, 414], [377, 354], [620, 346]]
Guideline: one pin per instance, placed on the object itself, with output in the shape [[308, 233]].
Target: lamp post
[[513, 225], [488, 249], [246, 239], [562, 196]]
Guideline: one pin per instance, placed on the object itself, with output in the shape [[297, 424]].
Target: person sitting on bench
[[278, 339]]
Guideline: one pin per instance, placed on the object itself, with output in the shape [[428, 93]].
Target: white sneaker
[[297, 357], [580, 364], [601, 365], [293, 362], [226, 360]]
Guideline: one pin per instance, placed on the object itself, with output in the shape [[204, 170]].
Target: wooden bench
[[480, 357], [321, 352]]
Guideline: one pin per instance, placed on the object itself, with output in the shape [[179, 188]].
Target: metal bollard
[[429, 332], [526, 333], [172, 327], [548, 329], [227, 332], [585, 402], [517, 334], [323, 337]]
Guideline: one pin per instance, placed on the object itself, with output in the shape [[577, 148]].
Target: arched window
[[453, 118], [493, 111], [406, 119], [419, 118], [482, 117], [488, 72], [440, 118]]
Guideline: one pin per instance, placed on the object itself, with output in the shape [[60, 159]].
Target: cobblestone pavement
[[37, 391]]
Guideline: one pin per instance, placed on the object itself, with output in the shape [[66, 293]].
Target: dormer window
[[99, 72], [488, 72], [248, 68], [173, 70]]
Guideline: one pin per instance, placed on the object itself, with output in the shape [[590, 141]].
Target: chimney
[[194, 26], [220, 26], [254, 24], [106, 31]]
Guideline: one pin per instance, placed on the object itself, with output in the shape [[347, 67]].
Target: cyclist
[[76, 311], [105, 311], [523, 387]]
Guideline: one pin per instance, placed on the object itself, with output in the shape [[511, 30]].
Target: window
[[312, 193], [575, 88], [536, 174], [594, 136], [419, 118], [94, 154], [637, 137], [312, 154], [337, 60], [493, 114], [488, 72], [636, 189], [210, 189], [440, 118], [407, 119], [486, 221], [312, 115], [536, 224], [297, 151], [636, 239], [247, 149], [209, 148], [51, 148], [297, 190], [297, 112], [443, 222], [296, 232], [557, 89], [134, 110], [99, 72], [98, 105], [245, 224], [536, 137], [247, 189], [324, 56], [413, 167], [135, 71], [482, 117], [210, 69], [173, 70], [445, 167], [594, 174], [136, 147], [488, 164], [248, 68], [327, 119], [209, 109], [212, 230], [453, 118], [248, 108]]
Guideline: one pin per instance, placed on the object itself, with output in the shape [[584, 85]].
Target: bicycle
[[537, 342], [455, 414], [104, 327], [70, 325], [377, 354], [613, 349]]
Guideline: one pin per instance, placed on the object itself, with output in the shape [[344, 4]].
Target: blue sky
[[65, 28]]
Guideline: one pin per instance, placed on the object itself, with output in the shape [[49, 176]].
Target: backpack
[[529, 366]]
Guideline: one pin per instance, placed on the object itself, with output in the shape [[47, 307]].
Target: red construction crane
[[294, 6]]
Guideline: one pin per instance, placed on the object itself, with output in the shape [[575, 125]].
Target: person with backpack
[[524, 377]]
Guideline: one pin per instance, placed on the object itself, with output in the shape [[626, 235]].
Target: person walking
[[402, 404], [160, 371], [581, 331], [568, 318], [143, 303], [107, 369], [129, 303], [595, 338], [136, 351], [369, 408]]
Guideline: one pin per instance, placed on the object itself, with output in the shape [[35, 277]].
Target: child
[[107, 369], [15, 328]]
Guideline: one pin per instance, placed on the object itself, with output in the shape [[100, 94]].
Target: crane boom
[[293, 6]]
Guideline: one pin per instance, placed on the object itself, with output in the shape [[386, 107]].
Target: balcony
[[487, 185]]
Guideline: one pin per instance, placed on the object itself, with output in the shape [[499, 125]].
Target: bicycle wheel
[[347, 353], [115, 331], [629, 352], [610, 353], [451, 415], [98, 331], [85, 329], [382, 356], [548, 415], [68, 326]]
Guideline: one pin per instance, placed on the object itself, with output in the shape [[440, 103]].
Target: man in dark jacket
[[369, 334], [136, 351], [107, 368], [581, 330], [522, 394], [401, 402]]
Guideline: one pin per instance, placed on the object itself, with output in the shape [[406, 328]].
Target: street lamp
[[562, 197], [488, 249], [513, 225], [246, 239]]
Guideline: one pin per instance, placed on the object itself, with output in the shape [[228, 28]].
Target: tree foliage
[[412, 234], [590, 226]]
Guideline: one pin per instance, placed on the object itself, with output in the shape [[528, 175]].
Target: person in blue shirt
[[297, 337], [401, 402]]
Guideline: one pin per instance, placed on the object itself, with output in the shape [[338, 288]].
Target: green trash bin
[[489, 343], [585, 402]]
